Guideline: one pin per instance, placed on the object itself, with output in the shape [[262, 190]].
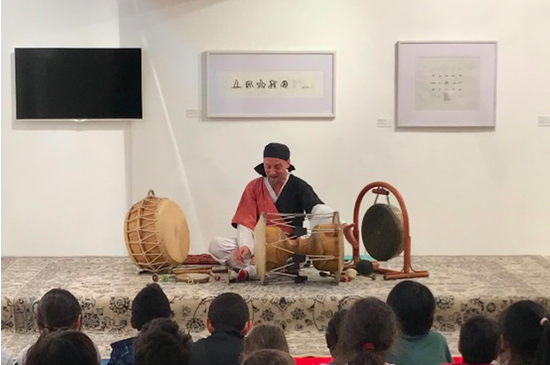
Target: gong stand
[[351, 232]]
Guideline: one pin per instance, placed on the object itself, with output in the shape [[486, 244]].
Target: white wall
[[467, 191], [64, 185]]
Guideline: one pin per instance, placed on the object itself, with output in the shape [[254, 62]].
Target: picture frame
[[446, 84], [272, 84]]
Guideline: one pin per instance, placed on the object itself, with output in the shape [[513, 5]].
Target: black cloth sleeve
[[308, 197]]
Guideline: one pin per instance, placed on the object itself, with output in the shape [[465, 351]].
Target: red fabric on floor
[[326, 360], [200, 259], [312, 360]]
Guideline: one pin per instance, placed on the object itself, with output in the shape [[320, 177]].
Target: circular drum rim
[[174, 252], [150, 207]]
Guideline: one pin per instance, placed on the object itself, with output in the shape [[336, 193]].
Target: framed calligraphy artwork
[[270, 84], [446, 84]]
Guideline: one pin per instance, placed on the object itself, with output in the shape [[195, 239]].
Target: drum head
[[193, 278], [382, 231], [172, 232]]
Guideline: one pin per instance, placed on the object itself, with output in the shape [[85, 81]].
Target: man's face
[[275, 170]]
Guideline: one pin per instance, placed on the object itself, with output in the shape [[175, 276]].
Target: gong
[[385, 232], [382, 231]]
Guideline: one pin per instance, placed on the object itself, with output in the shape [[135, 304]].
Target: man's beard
[[273, 180]]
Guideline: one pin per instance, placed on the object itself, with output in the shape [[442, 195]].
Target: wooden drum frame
[[272, 248]]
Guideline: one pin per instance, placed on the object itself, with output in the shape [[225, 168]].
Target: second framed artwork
[[292, 84], [446, 84]]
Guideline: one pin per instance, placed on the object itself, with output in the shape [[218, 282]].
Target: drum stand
[[351, 233], [291, 269]]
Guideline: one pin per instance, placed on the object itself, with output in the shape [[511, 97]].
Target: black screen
[[78, 83]]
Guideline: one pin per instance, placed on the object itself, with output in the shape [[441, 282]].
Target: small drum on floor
[[156, 234]]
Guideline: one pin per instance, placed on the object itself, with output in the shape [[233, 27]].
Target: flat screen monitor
[[78, 83]]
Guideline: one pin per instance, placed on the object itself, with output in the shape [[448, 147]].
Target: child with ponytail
[[367, 333], [58, 309], [525, 330]]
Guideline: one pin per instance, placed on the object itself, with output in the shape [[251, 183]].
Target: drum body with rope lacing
[[156, 234], [323, 246]]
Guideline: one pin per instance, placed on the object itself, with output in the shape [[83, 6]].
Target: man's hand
[[241, 254]]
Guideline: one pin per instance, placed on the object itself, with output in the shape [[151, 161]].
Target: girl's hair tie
[[368, 346]]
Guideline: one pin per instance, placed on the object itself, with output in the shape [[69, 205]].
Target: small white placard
[[384, 122], [193, 113]]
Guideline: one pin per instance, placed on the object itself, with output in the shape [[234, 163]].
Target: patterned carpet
[[105, 286]]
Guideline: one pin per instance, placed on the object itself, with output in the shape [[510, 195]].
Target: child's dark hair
[[479, 341], [68, 347], [58, 308], [268, 357], [367, 333], [414, 306], [150, 303], [526, 328], [228, 310], [160, 341], [265, 336], [333, 329]]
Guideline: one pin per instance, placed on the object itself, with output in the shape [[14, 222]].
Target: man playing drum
[[276, 191]]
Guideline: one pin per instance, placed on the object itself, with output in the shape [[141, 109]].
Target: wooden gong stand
[[351, 233]]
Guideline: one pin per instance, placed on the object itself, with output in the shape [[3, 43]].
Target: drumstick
[[350, 273], [216, 277], [200, 270], [344, 278], [163, 278], [188, 270]]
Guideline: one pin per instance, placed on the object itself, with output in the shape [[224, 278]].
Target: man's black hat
[[276, 150]]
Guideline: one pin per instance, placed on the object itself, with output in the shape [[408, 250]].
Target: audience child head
[[65, 346], [149, 303], [479, 341], [58, 308], [160, 342], [414, 306], [333, 330], [228, 311], [268, 357], [367, 333], [525, 331], [265, 336]]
